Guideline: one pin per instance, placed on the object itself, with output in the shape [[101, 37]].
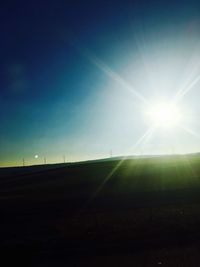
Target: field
[[139, 212]]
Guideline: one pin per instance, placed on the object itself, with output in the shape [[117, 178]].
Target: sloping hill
[[59, 210]]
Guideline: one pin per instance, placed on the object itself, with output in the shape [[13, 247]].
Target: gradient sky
[[77, 76]]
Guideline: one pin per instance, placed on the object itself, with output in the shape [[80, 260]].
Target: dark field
[[147, 213]]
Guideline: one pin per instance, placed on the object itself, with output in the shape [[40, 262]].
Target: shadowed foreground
[[146, 214]]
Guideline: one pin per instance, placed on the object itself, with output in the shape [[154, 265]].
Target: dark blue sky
[[54, 98]]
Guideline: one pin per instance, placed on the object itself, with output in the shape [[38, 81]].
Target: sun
[[165, 115]]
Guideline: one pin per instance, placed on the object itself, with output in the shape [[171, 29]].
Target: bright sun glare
[[165, 115]]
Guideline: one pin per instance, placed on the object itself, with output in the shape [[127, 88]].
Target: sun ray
[[112, 74], [141, 140], [117, 78], [182, 92], [188, 164], [190, 131], [147, 64], [147, 134]]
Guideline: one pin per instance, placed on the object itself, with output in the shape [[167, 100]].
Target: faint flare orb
[[36, 156]]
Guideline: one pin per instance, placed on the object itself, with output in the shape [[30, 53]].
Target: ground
[[139, 212]]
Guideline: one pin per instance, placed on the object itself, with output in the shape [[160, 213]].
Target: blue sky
[[73, 75]]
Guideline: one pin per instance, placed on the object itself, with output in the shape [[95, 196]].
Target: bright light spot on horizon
[[165, 115], [36, 156]]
